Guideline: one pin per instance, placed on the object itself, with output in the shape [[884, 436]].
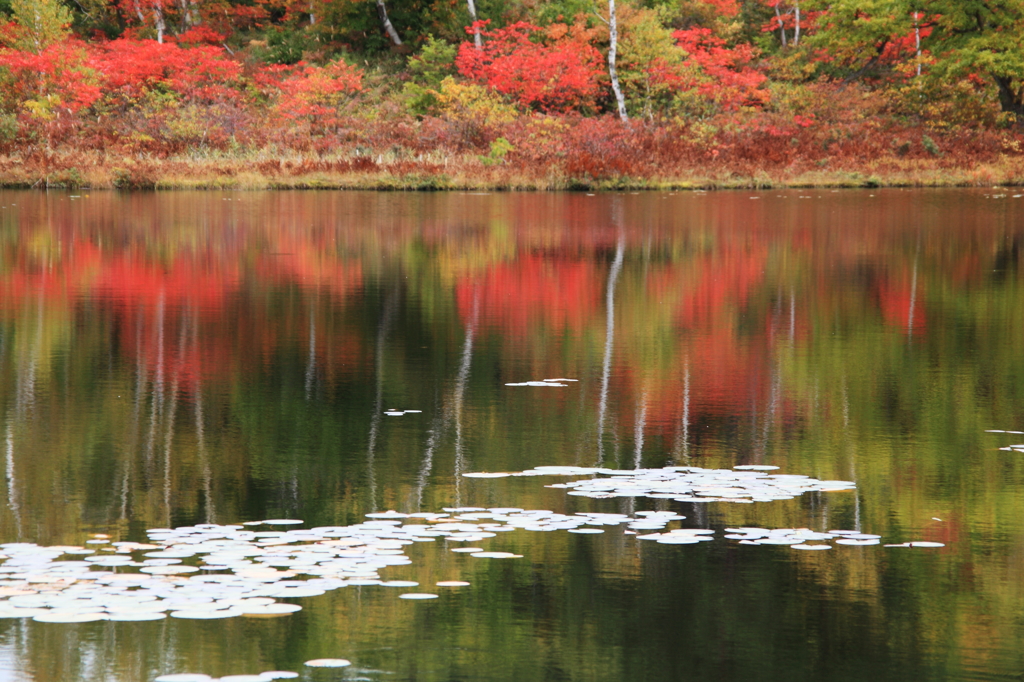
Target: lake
[[208, 361]]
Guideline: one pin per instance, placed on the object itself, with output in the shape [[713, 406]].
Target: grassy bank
[[394, 172]]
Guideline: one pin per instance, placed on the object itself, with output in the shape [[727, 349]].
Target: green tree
[[982, 37], [41, 22], [961, 38]]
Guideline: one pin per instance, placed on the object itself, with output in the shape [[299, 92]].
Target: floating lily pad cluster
[[745, 483], [222, 571], [234, 572]]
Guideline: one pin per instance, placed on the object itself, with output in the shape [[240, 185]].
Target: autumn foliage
[[729, 75], [735, 88], [552, 70]]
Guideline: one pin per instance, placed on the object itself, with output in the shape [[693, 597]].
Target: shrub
[[556, 69]]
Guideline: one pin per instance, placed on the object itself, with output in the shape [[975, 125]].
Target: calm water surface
[[188, 358]]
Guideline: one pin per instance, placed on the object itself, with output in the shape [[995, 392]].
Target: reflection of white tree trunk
[[638, 431], [204, 458], [913, 297], [133, 441], [12, 483], [792, 317], [682, 446], [769, 415], [171, 412], [24, 398], [156, 410], [609, 335], [378, 403], [460, 390], [436, 432], [311, 361], [451, 413]]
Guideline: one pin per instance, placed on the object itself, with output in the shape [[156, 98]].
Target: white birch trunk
[[472, 18], [158, 19], [917, 40], [796, 28], [382, 12], [782, 26], [185, 6], [613, 35]]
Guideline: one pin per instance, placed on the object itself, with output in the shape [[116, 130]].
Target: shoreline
[[239, 174]]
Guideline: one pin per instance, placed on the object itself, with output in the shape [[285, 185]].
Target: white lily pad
[[71, 617], [328, 663], [132, 616]]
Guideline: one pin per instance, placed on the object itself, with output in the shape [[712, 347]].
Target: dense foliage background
[[752, 88]]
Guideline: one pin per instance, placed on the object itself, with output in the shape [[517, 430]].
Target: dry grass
[[645, 162]]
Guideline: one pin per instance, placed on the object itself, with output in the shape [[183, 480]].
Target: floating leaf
[[328, 663]]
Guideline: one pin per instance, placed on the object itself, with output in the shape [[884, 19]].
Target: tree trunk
[[613, 35], [382, 12], [158, 19], [796, 27], [187, 20], [1011, 99], [782, 26], [917, 40], [472, 17]]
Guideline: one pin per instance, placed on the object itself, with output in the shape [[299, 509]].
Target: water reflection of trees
[[212, 363]]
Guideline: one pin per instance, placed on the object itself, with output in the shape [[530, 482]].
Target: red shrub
[[733, 82], [559, 74], [316, 94], [132, 67]]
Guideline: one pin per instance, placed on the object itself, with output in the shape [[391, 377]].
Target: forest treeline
[[519, 93]]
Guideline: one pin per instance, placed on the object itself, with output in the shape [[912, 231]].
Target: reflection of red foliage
[[724, 281], [902, 305], [726, 374], [310, 269], [532, 291], [182, 317], [26, 282], [185, 283]]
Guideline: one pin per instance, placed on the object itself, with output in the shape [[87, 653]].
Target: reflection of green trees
[[791, 331]]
